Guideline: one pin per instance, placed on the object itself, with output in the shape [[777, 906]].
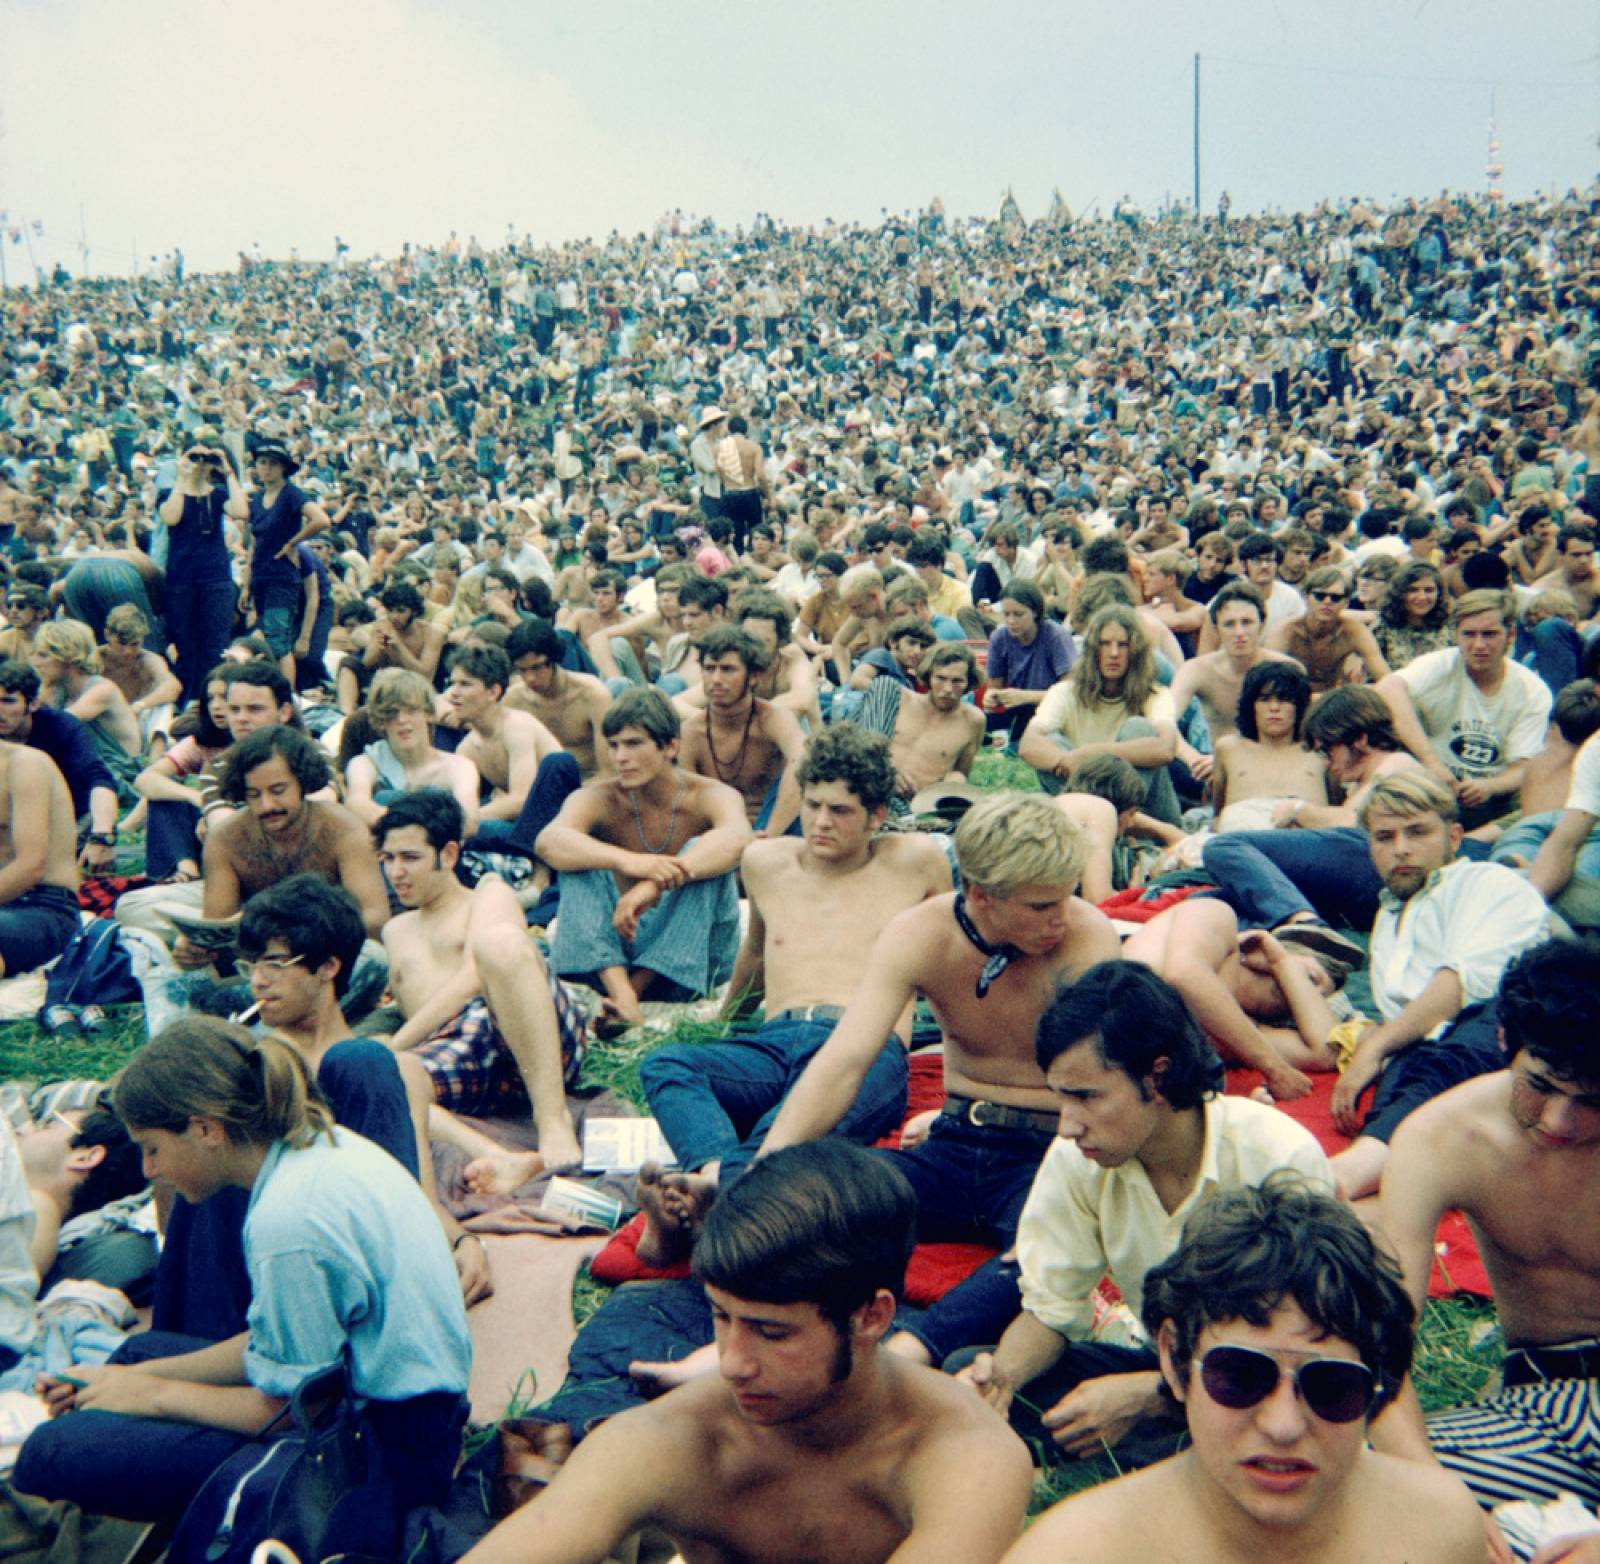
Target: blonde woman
[[68, 664]]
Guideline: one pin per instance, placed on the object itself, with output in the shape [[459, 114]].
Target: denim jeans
[[715, 1102], [278, 608], [971, 1183], [1553, 649], [1266, 876], [1160, 799], [200, 622], [556, 779]]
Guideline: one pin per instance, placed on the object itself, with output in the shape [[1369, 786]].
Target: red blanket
[[936, 1268]]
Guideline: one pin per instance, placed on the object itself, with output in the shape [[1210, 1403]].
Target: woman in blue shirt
[[347, 1264]]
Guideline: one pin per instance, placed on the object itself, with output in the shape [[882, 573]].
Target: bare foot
[[1262, 1095], [657, 1378], [672, 1211], [503, 1172], [614, 1017], [559, 1144]]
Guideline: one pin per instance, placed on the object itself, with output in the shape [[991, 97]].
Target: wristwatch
[[101, 839]]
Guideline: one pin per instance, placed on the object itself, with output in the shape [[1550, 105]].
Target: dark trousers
[[200, 625], [557, 777], [971, 1183], [170, 835]]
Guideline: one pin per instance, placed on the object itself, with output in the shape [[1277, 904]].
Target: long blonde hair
[[1138, 684]]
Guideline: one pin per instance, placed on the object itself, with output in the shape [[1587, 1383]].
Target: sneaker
[[55, 1020]]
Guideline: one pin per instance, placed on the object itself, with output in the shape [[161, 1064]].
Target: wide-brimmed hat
[[950, 799], [274, 452], [712, 415]]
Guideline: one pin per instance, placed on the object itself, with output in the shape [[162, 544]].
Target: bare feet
[[674, 1204], [503, 1172], [614, 1017], [657, 1378], [559, 1144]]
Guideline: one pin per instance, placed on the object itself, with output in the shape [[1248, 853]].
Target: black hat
[[275, 452]]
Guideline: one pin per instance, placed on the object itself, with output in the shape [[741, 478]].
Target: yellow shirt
[[1083, 1220], [1062, 712]]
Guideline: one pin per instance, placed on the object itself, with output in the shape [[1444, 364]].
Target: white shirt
[[1468, 918], [1474, 734], [1584, 792], [1082, 1220]]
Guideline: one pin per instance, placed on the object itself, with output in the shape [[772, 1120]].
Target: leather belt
[[1531, 1365], [985, 1115]]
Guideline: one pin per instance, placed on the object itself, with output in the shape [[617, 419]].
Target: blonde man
[[404, 760], [861, 592], [1445, 932], [149, 685], [68, 664], [989, 960], [1468, 713], [1110, 704]]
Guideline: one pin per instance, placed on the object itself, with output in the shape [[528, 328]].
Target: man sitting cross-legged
[[485, 1018], [750, 744], [646, 859], [405, 760], [812, 1442], [1144, 1140], [816, 906], [1282, 1329], [1517, 1152], [934, 737], [989, 960]]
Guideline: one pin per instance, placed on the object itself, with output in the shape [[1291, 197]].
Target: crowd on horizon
[[702, 602]]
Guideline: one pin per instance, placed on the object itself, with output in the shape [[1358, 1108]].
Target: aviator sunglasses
[[1335, 1390]]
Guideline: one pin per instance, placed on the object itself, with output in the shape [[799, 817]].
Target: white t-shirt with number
[[1474, 734]]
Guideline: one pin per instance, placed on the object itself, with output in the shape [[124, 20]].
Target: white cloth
[[1082, 1220], [19, 1283], [1474, 734], [1468, 918]]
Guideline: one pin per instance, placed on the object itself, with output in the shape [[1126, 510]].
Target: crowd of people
[[1113, 652]]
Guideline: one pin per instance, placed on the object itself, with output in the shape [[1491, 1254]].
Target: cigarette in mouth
[[245, 1016]]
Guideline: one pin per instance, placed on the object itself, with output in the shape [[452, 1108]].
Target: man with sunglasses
[[1281, 1329], [1144, 1139], [1518, 1153], [1326, 636]]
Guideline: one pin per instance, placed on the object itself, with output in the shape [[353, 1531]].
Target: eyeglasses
[[1333, 1389], [269, 963], [1328, 597]]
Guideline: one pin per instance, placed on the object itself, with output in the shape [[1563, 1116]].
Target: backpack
[[94, 969]]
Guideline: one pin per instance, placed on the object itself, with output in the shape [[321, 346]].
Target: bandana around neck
[[1000, 956]]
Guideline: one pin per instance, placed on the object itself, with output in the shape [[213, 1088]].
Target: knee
[[500, 948], [665, 1067], [561, 768]]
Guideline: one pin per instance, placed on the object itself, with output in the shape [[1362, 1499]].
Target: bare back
[[29, 779]]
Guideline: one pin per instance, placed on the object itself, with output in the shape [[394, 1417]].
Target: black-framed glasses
[[1333, 1389], [1329, 597]]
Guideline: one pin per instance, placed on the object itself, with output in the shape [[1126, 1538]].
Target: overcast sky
[[216, 124]]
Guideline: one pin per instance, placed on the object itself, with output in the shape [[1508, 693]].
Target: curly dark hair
[[1392, 611], [1550, 1008], [850, 754], [307, 764], [1247, 1250]]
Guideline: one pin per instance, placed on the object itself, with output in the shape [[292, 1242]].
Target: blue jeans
[[1553, 650], [557, 778], [715, 1102], [971, 1184], [1267, 876], [1160, 799]]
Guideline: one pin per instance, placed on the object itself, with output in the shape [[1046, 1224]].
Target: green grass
[[998, 770], [29, 1054]]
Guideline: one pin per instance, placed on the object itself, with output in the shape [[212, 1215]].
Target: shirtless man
[[602, 617], [660, 628], [147, 683], [749, 744], [1575, 571], [1216, 678], [1243, 987], [27, 607], [67, 662], [937, 736], [861, 592], [1517, 1152], [404, 760], [484, 1017], [282, 831], [1325, 635], [638, 902], [38, 861], [571, 705], [400, 637], [989, 961], [811, 1442], [517, 755], [816, 906], [1264, 763], [1281, 1329], [788, 680]]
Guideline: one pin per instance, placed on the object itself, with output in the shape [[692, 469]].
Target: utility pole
[[1197, 134]]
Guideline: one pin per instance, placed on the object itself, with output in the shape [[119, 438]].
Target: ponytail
[[203, 1067]]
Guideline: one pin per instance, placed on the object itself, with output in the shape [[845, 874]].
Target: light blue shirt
[[345, 1252]]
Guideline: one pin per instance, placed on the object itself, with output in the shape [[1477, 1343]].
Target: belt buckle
[[975, 1115]]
